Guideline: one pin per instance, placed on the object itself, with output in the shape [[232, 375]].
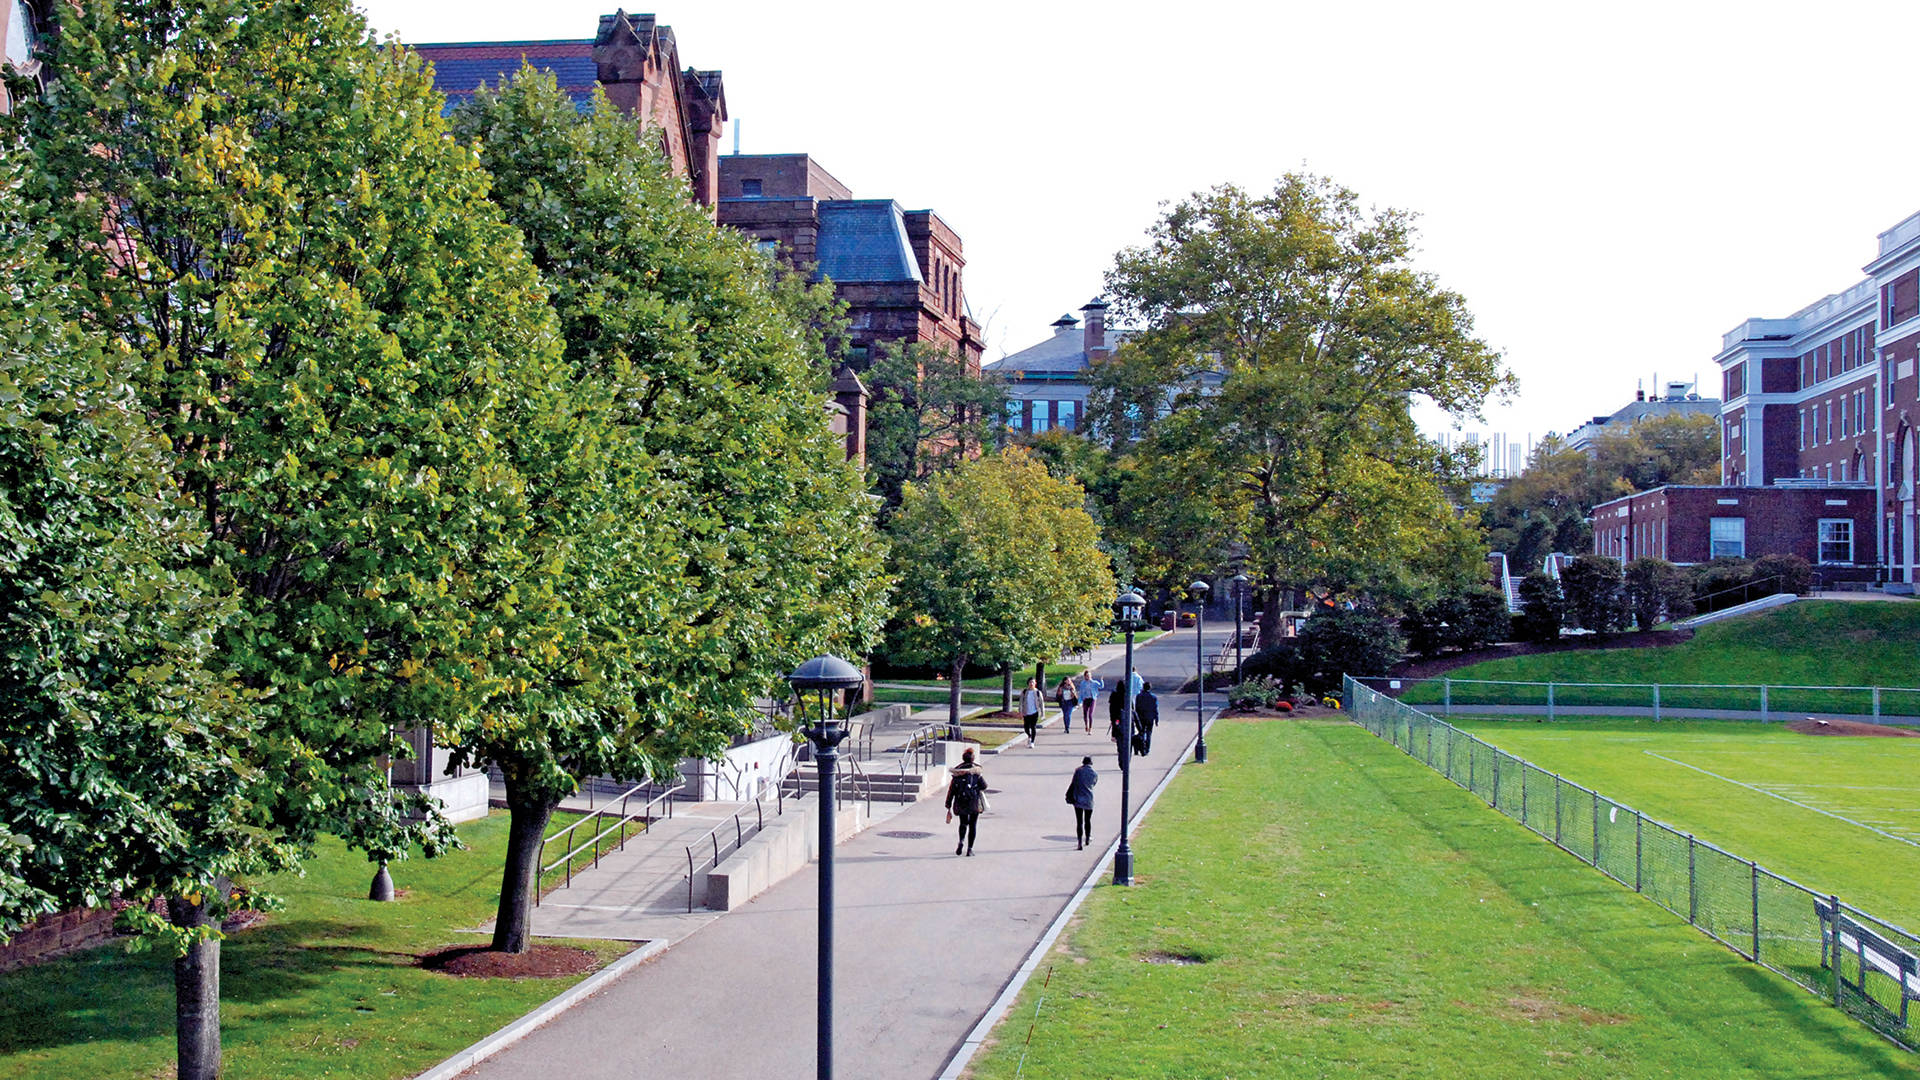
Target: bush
[[1595, 593], [1260, 692], [1470, 619], [1542, 609], [1280, 662], [1340, 643], [1656, 590], [1716, 577], [1790, 574]]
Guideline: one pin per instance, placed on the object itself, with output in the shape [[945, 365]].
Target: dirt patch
[[1810, 726], [1178, 959], [1440, 665], [539, 962], [1536, 1009]]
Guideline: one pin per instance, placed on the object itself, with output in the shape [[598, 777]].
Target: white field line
[[1795, 802]]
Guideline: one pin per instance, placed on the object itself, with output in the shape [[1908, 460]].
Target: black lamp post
[[823, 677], [1127, 609], [1199, 590], [1239, 594]]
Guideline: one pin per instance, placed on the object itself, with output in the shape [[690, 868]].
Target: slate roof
[[458, 68], [864, 240], [1063, 353]]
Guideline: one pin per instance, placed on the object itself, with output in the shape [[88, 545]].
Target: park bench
[[1873, 952]]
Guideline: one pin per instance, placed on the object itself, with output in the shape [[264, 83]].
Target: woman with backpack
[[966, 796], [1032, 703], [1067, 696]]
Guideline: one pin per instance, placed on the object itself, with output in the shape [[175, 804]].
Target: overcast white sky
[[1611, 187]]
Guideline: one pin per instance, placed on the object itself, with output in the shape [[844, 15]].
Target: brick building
[[900, 272], [1823, 401], [1830, 527], [631, 57]]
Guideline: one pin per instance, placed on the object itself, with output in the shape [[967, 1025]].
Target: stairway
[[887, 786]]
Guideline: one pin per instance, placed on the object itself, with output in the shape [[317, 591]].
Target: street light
[[823, 677], [1239, 594], [1128, 608], [1199, 590]]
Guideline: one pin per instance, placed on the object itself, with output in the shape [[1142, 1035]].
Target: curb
[[976, 1038], [521, 1028]]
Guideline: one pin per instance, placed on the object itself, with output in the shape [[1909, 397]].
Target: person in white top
[[1031, 702]]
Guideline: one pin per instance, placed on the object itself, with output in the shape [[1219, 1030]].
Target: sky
[[1610, 187]]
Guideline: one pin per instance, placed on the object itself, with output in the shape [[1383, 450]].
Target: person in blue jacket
[[1080, 797]]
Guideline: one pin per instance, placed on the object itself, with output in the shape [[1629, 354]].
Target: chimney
[[851, 397], [1096, 329]]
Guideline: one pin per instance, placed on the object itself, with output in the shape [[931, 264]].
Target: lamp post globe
[[1239, 594], [820, 679], [1199, 590], [1128, 608]]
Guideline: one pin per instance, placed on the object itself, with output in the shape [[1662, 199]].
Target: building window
[[1042, 411], [1016, 415], [1803, 429], [1836, 540], [1843, 472], [1727, 538], [1070, 415], [750, 189], [1829, 421]]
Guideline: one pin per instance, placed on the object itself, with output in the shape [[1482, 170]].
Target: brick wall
[[56, 934]]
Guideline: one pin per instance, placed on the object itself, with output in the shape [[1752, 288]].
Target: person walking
[[1080, 797], [1067, 696], [1032, 704], [1146, 713], [1117, 706], [1090, 687], [966, 796]]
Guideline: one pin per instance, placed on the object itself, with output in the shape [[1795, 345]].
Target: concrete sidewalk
[[925, 939]]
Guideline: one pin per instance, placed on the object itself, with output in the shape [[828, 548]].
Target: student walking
[[966, 796], [1146, 713], [1067, 696], [1080, 797], [1090, 687], [1032, 703]]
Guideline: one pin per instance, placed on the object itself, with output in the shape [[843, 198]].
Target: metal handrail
[[619, 826], [712, 839]]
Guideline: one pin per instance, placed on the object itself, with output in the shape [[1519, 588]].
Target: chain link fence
[[1881, 704], [1861, 964]]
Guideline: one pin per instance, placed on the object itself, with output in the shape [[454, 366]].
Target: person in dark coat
[[966, 796], [1146, 713], [1116, 710], [1080, 797]]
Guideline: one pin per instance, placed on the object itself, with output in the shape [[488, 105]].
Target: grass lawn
[[1807, 643], [1314, 903], [330, 987], [1802, 806]]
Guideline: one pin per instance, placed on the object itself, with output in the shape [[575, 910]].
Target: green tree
[[704, 529], [997, 564], [332, 327], [1656, 590], [1543, 610], [1595, 593], [1340, 642], [1284, 336], [928, 414], [1659, 450]]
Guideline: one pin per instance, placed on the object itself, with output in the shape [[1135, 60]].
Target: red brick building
[[1830, 527]]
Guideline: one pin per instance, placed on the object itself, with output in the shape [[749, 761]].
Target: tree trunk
[[1270, 621], [196, 996], [1006, 687], [953, 697], [527, 824]]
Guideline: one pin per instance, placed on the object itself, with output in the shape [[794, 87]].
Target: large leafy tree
[[709, 534], [332, 328], [928, 414], [998, 563], [1285, 335]]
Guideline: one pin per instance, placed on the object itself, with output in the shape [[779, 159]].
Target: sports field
[[1315, 903], [1837, 814]]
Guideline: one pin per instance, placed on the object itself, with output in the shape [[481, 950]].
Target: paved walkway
[[925, 940]]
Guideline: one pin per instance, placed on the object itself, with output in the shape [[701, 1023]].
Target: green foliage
[[997, 564], [1657, 590], [1267, 399], [1337, 643], [1258, 692], [109, 708], [1469, 619], [1595, 593], [1785, 573], [928, 413], [1543, 610]]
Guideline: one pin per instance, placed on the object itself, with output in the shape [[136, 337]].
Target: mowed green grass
[[329, 987], [1356, 915], [1807, 643], [1803, 806]]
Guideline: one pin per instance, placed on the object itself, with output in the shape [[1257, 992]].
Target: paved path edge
[[554, 1006], [977, 1037]]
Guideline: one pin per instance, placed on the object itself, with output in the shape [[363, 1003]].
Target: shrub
[[1346, 643], [1280, 662], [1657, 589], [1259, 692], [1717, 576], [1470, 619], [1594, 593], [1790, 574], [1542, 609]]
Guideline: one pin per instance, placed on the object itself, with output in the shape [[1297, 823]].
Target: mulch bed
[[1300, 710], [1810, 726], [1440, 665], [539, 962]]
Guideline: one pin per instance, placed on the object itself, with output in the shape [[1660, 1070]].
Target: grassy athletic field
[[1838, 814], [1807, 643], [1343, 911], [330, 987]]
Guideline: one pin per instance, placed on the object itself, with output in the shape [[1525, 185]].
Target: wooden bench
[[1872, 951]]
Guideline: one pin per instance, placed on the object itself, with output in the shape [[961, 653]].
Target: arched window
[[24, 27]]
